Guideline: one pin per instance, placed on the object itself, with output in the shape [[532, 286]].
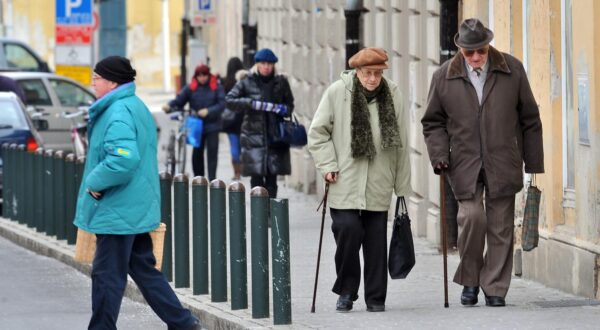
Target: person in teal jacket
[[119, 200]]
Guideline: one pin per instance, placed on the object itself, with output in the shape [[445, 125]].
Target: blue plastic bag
[[194, 127]]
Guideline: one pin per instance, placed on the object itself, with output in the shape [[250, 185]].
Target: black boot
[[469, 295], [344, 303]]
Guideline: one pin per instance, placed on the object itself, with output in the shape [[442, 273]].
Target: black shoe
[[494, 301], [344, 303], [375, 308], [469, 295]]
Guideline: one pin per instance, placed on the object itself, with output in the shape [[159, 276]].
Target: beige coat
[[500, 135], [361, 184]]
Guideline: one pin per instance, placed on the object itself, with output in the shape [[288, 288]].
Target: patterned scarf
[[362, 137]]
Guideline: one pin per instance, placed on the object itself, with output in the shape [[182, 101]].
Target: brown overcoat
[[498, 135]]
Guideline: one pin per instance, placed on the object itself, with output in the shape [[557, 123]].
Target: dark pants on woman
[[268, 181], [211, 142], [353, 229], [117, 256]]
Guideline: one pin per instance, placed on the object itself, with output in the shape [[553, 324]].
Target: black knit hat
[[116, 69]]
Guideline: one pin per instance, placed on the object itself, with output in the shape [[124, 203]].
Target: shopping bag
[[85, 246], [402, 248], [530, 235], [194, 127]]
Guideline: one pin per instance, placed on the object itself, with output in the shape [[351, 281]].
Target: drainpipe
[[353, 12], [185, 33], [249, 34], [449, 28]]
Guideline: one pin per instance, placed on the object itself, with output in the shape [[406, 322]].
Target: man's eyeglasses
[[471, 52]]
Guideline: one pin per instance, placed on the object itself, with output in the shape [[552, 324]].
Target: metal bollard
[[182, 231], [79, 168], [38, 194], [70, 198], [237, 245], [19, 173], [5, 186], [166, 182], [58, 188], [12, 176], [200, 234], [7, 192], [218, 242], [259, 212], [28, 188], [49, 227], [280, 244]]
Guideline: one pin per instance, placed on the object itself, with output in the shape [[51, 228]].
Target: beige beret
[[374, 58]]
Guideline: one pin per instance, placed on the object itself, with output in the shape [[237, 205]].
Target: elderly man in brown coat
[[481, 124]]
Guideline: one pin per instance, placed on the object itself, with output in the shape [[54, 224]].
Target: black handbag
[[290, 132], [402, 248]]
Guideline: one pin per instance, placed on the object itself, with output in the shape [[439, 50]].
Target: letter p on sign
[[70, 4]]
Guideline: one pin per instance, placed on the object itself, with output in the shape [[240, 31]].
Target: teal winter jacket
[[121, 164]]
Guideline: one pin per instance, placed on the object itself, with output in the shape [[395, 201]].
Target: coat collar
[[457, 68]]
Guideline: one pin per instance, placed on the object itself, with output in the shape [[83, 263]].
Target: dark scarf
[[362, 137]]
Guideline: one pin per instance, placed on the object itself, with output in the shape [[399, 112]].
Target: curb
[[212, 315]]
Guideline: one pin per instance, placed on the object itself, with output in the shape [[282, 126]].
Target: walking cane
[[444, 234], [324, 204]]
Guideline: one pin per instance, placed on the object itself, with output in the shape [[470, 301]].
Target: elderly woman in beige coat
[[358, 140]]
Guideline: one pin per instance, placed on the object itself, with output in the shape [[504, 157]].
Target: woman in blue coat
[[119, 200], [206, 97]]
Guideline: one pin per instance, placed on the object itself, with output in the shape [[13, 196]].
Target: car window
[[71, 95], [11, 116], [19, 57], [35, 92]]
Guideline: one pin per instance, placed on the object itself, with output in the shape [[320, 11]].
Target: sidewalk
[[416, 302]]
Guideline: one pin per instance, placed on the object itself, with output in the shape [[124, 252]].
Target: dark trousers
[[353, 229], [211, 142], [267, 181], [117, 256]]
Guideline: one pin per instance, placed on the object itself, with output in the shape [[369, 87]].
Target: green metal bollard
[[237, 245], [20, 183], [13, 179], [280, 245], [38, 194], [166, 182], [28, 188], [7, 192], [70, 198], [200, 234], [59, 195], [5, 157], [218, 242], [259, 212], [181, 236], [49, 227], [79, 167]]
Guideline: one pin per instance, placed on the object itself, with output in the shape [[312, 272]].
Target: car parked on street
[[52, 95], [16, 126], [15, 55]]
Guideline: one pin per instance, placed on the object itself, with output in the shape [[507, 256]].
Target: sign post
[[74, 33], [203, 13]]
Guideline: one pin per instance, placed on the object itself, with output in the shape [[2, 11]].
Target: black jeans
[[117, 256], [211, 142], [353, 229], [267, 181]]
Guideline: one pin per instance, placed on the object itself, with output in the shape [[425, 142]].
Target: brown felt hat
[[373, 58]]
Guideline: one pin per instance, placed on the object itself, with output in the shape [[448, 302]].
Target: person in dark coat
[[206, 97], [8, 84], [265, 97], [481, 125], [232, 120]]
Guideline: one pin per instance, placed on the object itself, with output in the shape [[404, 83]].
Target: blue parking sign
[[74, 12], [205, 5]]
